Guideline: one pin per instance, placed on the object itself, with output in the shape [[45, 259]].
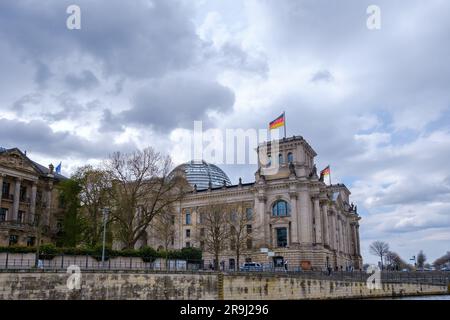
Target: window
[[281, 237], [280, 159], [188, 233], [188, 244], [249, 244], [188, 217], [23, 194], [233, 244], [31, 241], [202, 232], [3, 214], [201, 218], [13, 239], [202, 245], [290, 157], [172, 219], [249, 228], [172, 240], [20, 216], [233, 216], [280, 209], [5, 190], [249, 213]]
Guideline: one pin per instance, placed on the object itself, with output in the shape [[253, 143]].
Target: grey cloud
[[177, 102], [85, 80], [38, 137], [110, 123], [137, 39], [20, 105], [322, 75]]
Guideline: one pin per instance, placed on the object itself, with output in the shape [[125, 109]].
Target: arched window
[[280, 159], [281, 209], [290, 157]]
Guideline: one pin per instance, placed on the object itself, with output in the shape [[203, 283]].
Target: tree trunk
[[216, 263]]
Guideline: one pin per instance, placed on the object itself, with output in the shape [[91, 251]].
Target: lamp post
[[414, 259], [105, 215]]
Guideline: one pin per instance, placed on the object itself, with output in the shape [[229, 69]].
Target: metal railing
[[60, 263]]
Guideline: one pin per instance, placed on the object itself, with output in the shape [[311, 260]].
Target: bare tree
[[93, 197], [380, 249], [241, 229], [163, 228], [442, 261], [214, 230], [394, 261], [421, 258], [141, 188]]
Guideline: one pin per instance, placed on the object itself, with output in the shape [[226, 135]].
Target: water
[[436, 297]]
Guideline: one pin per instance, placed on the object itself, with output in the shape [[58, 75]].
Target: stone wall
[[260, 287], [157, 286]]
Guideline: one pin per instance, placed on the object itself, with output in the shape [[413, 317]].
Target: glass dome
[[201, 173]]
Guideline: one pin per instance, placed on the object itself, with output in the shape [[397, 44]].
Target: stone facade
[[295, 216], [28, 190]]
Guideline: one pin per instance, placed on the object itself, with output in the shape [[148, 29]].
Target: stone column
[[2, 176], [332, 229], [49, 205], [260, 230], [16, 202], [294, 217], [33, 202], [318, 221], [357, 240], [305, 217], [326, 234]]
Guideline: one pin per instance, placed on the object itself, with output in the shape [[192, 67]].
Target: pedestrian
[[286, 266]]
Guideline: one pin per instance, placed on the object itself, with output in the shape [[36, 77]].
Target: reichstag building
[[296, 218]]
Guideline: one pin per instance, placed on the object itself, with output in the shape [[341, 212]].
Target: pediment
[[16, 160]]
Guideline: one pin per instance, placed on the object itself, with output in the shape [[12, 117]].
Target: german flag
[[325, 172], [278, 122]]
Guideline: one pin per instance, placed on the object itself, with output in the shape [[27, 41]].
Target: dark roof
[[40, 168]]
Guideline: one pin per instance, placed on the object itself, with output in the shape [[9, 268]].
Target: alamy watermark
[[235, 146], [74, 280]]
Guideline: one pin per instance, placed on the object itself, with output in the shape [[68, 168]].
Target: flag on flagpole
[[278, 122], [58, 168], [326, 172]]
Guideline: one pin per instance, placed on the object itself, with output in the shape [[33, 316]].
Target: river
[[436, 297]]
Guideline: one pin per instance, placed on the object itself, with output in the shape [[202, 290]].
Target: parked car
[[445, 269], [251, 266]]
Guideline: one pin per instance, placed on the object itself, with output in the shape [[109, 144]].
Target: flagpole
[[329, 174], [284, 116]]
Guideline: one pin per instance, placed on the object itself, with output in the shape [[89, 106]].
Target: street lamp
[[414, 259], [105, 217]]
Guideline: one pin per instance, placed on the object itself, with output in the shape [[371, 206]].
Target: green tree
[[73, 223], [93, 198]]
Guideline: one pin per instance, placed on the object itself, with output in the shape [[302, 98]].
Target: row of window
[[188, 216], [290, 158], [4, 215], [202, 231], [14, 240], [279, 209], [6, 192]]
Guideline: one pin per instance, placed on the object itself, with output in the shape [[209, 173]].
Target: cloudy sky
[[373, 103]]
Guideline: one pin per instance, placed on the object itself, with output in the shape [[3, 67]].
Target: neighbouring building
[[295, 217], [30, 201]]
